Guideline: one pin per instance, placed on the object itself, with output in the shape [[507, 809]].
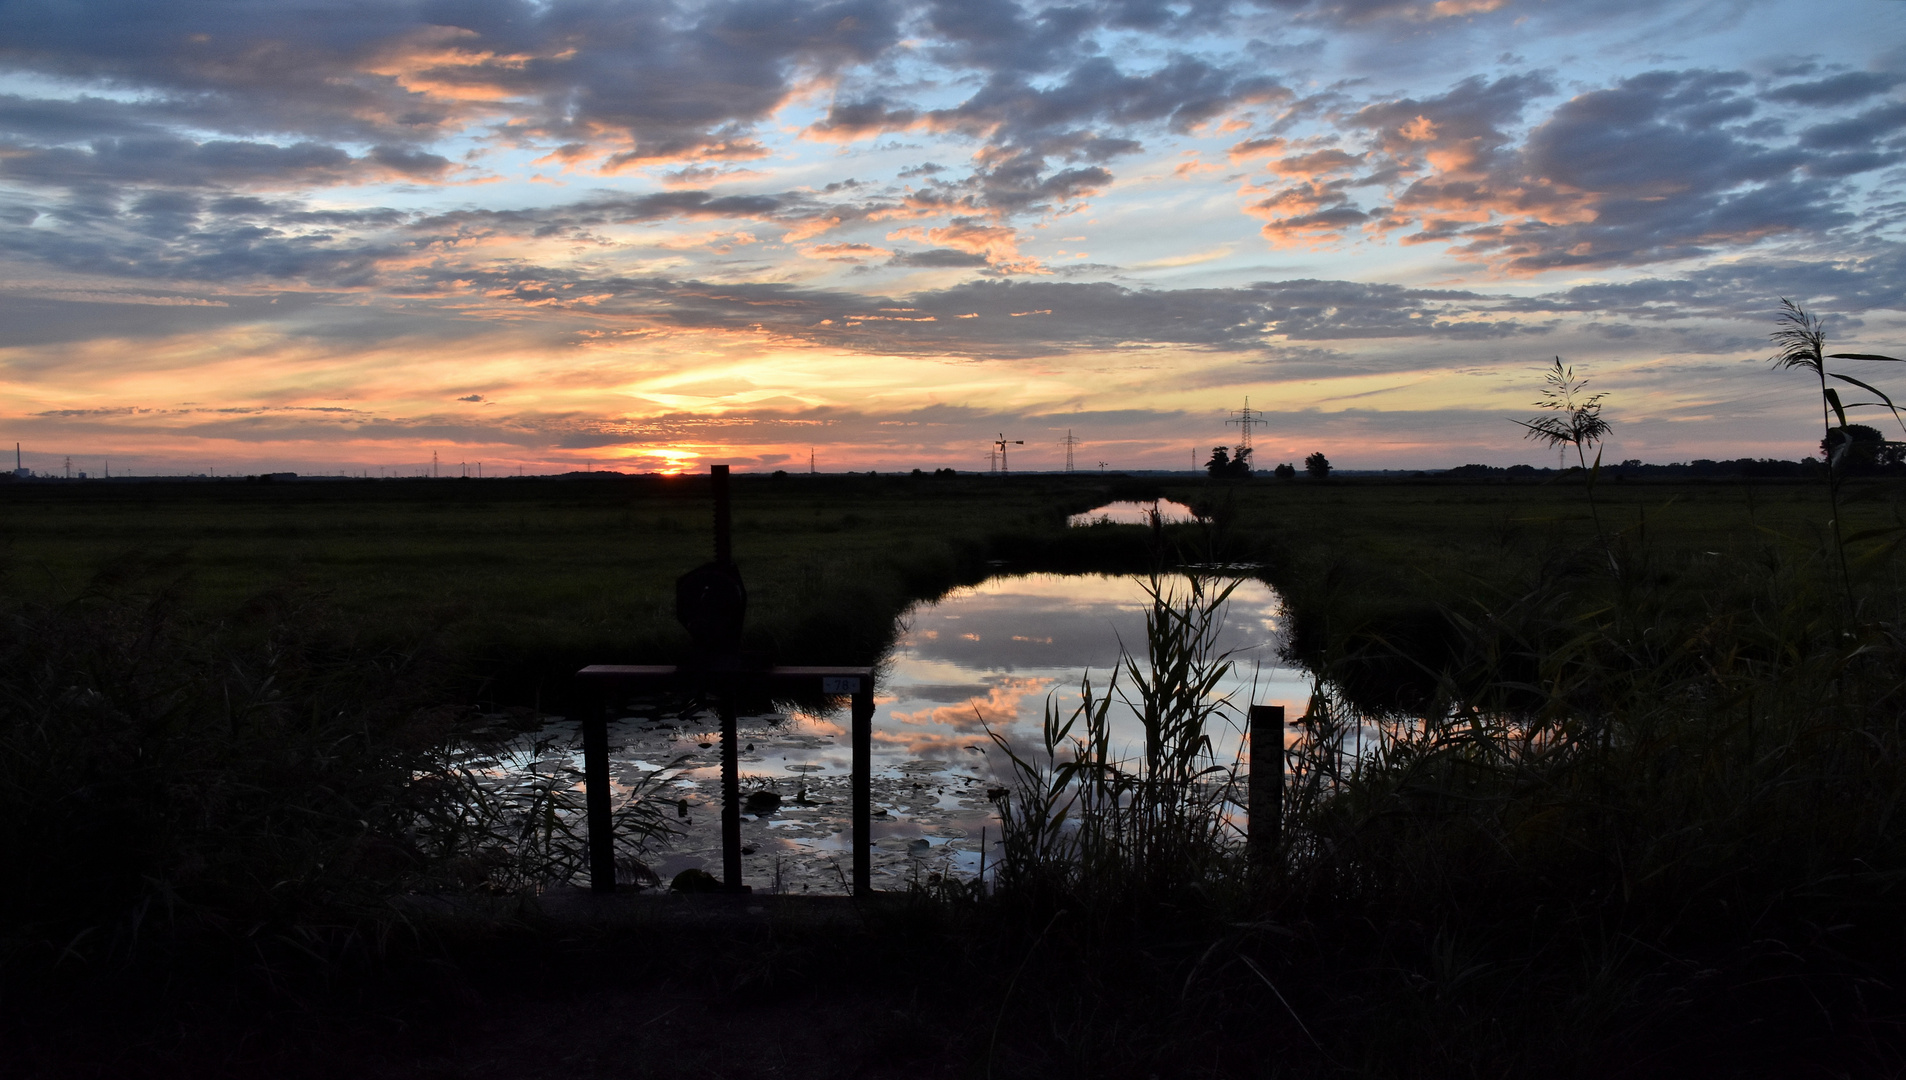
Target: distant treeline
[[1699, 467], [1884, 463]]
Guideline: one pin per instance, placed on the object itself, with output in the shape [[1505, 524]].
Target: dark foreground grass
[[1633, 810], [1615, 808]]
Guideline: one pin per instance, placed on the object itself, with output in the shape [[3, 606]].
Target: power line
[[1069, 442]]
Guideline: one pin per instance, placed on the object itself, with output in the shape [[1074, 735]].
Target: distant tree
[[1866, 448], [1286, 471], [1224, 466], [1317, 465]]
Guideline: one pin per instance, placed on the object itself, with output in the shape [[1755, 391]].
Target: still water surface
[[1127, 512], [992, 655]]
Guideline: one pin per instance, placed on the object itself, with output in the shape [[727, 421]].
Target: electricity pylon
[[1245, 421]]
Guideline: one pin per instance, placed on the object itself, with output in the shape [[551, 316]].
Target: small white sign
[[831, 684]]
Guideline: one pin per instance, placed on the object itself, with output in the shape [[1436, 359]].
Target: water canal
[[992, 656], [1126, 512]]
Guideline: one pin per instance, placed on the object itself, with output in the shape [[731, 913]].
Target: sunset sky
[[328, 236]]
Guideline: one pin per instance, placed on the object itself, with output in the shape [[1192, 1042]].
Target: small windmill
[[999, 449]]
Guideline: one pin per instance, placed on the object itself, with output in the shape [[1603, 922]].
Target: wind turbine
[[1000, 445]]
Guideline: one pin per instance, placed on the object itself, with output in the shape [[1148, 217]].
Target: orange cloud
[[721, 241], [1001, 707], [852, 253], [1421, 129], [1308, 214], [1320, 163], [998, 243], [432, 61], [736, 149], [1256, 148], [1448, 9], [1301, 198], [810, 228]]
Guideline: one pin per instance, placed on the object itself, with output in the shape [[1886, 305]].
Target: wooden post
[[730, 796], [587, 705], [1266, 793], [863, 787], [597, 680], [724, 542]]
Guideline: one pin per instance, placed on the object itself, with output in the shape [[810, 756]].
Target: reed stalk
[[1083, 821]]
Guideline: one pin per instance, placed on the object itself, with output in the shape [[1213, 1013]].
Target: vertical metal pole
[[730, 798], [724, 548], [1266, 793], [863, 787], [595, 776]]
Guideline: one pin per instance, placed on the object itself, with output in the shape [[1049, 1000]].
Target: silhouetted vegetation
[[1224, 465], [1866, 452], [1630, 816], [1549, 813], [1574, 419]]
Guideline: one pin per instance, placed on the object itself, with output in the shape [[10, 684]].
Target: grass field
[[516, 579], [521, 578]]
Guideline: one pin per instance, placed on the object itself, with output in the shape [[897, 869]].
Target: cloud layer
[[1116, 208]]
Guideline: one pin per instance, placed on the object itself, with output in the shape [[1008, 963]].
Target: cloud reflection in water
[[994, 652]]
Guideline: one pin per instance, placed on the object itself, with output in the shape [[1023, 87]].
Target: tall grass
[[1802, 341], [1085, 823], [1574, 419], [245, 802], [1645, 816]]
